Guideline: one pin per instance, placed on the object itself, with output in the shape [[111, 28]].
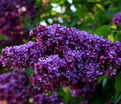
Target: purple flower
[[117, 19], [13, 88], [21, 57], [11, 12], [44, 99]]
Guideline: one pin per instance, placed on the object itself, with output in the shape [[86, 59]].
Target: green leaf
[[91, 0], [111, 37], [117, 100], [118, 85], [105, 77], [37, 3], [77, 100], [51, 93], [100, 79], [58, 1], [61, 92], [29, 71], [104, 82], [118, 36], [67, 97], [3, 37], [81, 12], [102, 31]]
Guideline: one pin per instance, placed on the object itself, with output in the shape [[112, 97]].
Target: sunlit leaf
[[118, 36], [118, 85], [81, 12], [67, 97], [111, 37], [102, 31]]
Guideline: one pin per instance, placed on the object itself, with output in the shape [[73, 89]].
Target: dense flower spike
[[22, 56], [10, 13], [13, 88], [117, 19], [44, 99], [71, 58], [85, 58]]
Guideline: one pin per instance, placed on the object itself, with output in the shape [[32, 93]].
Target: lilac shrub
[[117, 19], [13, 88], [85, 58], [70, 57]]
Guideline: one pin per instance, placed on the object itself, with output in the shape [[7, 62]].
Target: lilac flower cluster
[[78, 58], [117, 19], [44, 99], [13, 88], [10, 13], [22, 56], [67, 57]]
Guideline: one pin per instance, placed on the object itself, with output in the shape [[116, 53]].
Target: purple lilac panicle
[[117, 19], [71, 58], [44, 99], [22, 56], [85, 57], [11, 12], [13, 88]]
